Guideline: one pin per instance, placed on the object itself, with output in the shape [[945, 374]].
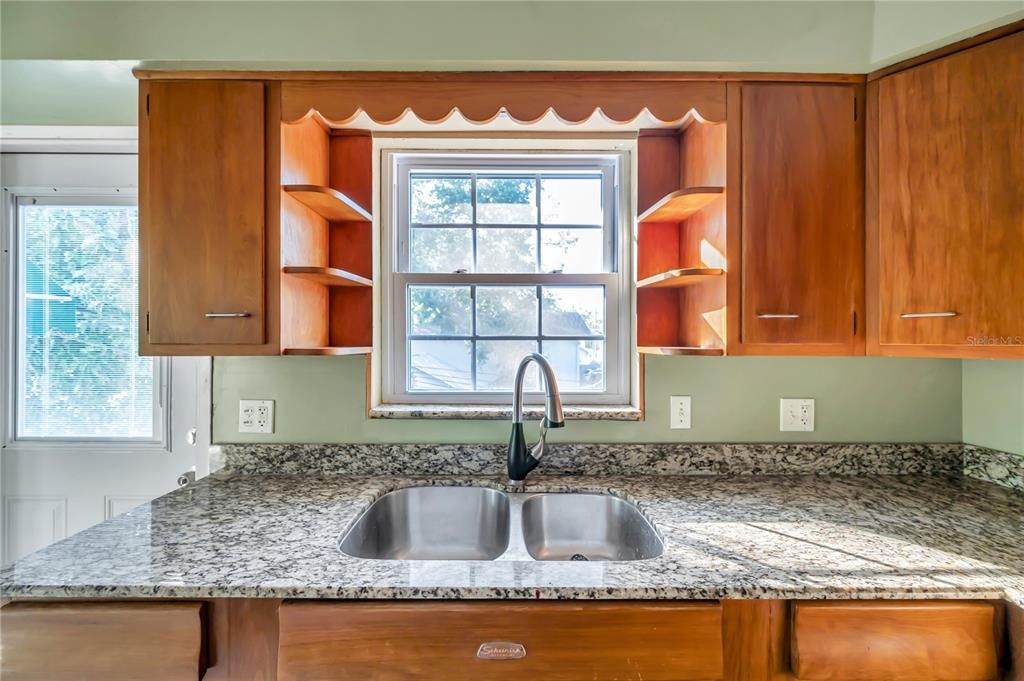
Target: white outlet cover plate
[[796, 414], [679, 411], [256, 416]]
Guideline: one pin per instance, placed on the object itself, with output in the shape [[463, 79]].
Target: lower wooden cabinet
[[500, 641], [243, 639], [112, 641], [896, 641]]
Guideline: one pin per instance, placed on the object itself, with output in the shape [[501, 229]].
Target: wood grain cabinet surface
[[112, 641], [201, 220], [553, 641], [799, 236], [946, 237], [896, 641]]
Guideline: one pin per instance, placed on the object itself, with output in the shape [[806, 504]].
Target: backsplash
[[992, 465], [592, 459], [735, 399]]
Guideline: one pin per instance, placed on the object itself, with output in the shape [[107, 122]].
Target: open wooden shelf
[[681, 204], [666, 350], [331, 276], [686, 276], [360, 350], [329, 203]]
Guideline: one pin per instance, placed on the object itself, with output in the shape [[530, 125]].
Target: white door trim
[[65, 139]]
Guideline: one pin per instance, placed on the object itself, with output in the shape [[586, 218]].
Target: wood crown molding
[[497, 76], [525, 96]]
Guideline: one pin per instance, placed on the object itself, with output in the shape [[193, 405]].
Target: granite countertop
[[276, 536]]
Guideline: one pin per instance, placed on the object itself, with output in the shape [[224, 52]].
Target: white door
[[89, 428]]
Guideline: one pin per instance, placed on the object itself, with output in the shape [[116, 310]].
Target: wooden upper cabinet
[[946, 232], [796, 248], [202, 260]]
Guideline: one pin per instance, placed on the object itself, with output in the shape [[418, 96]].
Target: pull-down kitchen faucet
[[522, 460]]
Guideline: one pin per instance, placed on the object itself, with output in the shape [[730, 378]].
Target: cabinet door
[[869, 640], [950, 243], [801, 218], [202, 213], [500, 641], [108, 641]]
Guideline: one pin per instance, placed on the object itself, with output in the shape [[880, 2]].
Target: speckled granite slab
[[592, 459], [993, 465], [915, 536]]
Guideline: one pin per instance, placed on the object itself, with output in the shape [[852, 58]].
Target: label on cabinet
[[501, 650]]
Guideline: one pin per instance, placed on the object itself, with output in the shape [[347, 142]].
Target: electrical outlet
[[256, 416], [796, 414], [679, 411]]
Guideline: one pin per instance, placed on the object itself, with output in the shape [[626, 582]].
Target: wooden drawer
[[102, 641], [553, 641], [895, 641]]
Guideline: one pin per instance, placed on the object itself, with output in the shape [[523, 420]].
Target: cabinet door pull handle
[[221, 315], [777, 315], [921, 315]]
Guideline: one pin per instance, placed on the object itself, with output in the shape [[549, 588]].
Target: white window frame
[[395, 164], [13, 318]]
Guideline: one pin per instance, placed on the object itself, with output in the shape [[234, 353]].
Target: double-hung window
[[495, 255]]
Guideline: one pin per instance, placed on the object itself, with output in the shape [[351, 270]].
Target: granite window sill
[[503, 412]]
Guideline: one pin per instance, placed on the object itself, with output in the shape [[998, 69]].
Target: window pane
[[440, 311], [579, 365], [573, 311], [572, 250], [80, 372], [440, 249], [506, 250], [506, 201], [441, 200], [441, 366], [506, 310], [497, 361], [571, 201]]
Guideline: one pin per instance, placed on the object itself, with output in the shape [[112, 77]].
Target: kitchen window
[[76, 370], [493, 256]]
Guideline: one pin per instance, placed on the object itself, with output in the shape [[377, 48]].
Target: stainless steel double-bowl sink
[[475, 523]]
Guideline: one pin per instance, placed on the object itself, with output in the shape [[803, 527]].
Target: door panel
[[53, 488], [802, 224], [202, 212], [951, 198]]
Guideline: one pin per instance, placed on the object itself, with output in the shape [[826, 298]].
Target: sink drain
[[578, 556]]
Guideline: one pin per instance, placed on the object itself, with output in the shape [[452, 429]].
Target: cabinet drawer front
[[102, 641], [554, 641], [908, 641]]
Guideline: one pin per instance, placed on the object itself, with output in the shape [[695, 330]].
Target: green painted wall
[[993, 404], [735, 399], [623, 34], [904, 29], [68, 63]]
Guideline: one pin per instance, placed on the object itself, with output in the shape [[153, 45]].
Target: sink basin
[[587, 527], [432, 523]]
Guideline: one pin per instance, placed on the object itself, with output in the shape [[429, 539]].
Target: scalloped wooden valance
[[525, 97]]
